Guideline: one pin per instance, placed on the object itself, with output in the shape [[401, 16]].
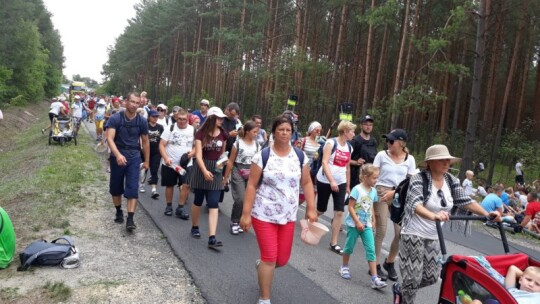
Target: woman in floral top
[[271, 206]]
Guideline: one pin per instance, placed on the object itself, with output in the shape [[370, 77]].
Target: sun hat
[[396, 134], [366, 118], [312, 231], [205, 102], [438, 152], [215, 111], [312, 126]]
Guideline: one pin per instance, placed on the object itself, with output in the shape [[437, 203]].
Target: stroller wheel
[[62, 141], [75, 140]]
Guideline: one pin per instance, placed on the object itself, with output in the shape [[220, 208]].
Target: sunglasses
[[161, 110], [390, 141], [441, 196]]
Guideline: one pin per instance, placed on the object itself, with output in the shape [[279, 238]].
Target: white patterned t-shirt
[[179, 141], [276, 199]]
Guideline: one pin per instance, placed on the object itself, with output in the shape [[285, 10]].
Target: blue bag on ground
[[43, 253]]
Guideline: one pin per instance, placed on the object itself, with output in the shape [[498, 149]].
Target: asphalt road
[[229, 275]]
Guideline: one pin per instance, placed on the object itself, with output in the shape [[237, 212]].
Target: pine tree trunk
[[381, 66], [397, 78], [524, 80], [367, 66], [470, 138], [507, 89]]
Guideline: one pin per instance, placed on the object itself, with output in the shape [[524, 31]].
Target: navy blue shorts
[[212, 197], [127, 175]]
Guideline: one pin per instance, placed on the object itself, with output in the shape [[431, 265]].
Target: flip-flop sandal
[[336, 248]]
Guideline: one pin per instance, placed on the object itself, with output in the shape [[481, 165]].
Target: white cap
[[162, 106], [77, 97], [102, 102], [215, 111], [206, 102]]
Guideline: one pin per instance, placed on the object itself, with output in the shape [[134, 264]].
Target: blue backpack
[[316, 164]]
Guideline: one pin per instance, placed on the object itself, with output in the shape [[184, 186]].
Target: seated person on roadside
[[533, 207], [467, 183], [529, 284], [493, 202], [481, 190]]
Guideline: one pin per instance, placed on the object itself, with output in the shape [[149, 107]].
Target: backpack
[[397, 208], [317, 164], [41, 252], [265, 154]]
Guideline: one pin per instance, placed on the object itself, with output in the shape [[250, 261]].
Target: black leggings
[[154, 167]]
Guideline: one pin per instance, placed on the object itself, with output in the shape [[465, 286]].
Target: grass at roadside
[[43, 183]]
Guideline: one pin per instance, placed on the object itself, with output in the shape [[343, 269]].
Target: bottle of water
[[395, 202], [178, 169], [222, 162]]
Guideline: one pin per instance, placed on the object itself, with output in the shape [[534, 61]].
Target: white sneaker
[[264, 301], [142, 190], [377, 283], [234, 228]]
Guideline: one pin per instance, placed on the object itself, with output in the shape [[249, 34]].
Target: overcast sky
[[87, 28]]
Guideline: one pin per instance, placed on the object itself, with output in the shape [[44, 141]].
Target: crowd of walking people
[[209, 151]]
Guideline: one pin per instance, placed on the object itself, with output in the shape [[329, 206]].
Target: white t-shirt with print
[[245, 152], [179, 141], [338, 163], [276, 199], [390, 173]]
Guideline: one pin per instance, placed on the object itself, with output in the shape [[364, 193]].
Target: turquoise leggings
[[367, 240]]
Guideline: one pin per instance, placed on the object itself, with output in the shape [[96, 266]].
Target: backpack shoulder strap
[[66, 238], [172, 127], [425, 182], [300, 155], [265, 154]]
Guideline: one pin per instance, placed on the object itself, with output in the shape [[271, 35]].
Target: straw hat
[[312, 232], [438, 152]]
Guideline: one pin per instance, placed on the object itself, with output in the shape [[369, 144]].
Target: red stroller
[[465, 280]]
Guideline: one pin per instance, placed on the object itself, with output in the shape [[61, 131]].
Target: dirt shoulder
[[55, 190]]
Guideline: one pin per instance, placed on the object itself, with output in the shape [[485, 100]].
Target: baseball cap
[[162, 106], [215, 111], [367, 118], [205, 102], [77, 97], [153, 113], [396, 134]]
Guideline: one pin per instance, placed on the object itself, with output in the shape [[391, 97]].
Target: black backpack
[[316, 164], [41, 253], [397, 208]]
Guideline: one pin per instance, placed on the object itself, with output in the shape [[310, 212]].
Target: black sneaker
[[130, 225], [389, 267], [380, 273], [119, 217], [181, 213], [195, 233], [396, 289], [213, 243], [168, 210]]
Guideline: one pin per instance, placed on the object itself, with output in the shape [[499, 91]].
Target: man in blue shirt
[[127, 133], [493, 202], [204, 104]]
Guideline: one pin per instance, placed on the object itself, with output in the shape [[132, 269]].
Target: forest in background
[[410, 63], [31, 53]]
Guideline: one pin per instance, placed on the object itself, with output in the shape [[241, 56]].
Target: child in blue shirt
[[360, 222]]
